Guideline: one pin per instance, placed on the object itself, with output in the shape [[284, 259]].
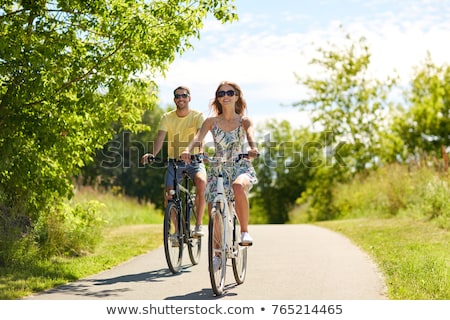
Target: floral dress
[[228, 145]]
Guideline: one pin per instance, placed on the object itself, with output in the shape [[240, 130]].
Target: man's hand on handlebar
[[186, 156], [147, 158]]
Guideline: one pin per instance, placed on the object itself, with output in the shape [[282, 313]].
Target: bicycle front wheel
[[173, 240], [239, 260], [194, 244], [216, 252]]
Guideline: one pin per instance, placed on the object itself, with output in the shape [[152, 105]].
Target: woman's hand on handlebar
[[253, 153]]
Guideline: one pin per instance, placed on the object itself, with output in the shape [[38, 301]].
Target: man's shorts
[[191, 169]]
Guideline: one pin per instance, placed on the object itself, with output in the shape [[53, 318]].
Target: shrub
[[70, 230], [395, 190], [435, 204]]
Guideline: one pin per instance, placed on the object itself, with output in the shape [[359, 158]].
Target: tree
[[117, 165], [283, 170], [424, 126], [349, 108], [68, 71], [348, 104]]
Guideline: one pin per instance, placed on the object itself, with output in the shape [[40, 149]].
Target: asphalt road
[[286, 262]]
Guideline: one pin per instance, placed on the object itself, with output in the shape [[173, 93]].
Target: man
[[181, 125]]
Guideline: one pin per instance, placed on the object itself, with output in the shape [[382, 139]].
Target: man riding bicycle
[[181, 125]]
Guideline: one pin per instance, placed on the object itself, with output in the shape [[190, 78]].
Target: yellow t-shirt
[[180, 130]]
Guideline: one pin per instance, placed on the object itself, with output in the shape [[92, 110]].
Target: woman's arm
[[198, 139], [249, 130]]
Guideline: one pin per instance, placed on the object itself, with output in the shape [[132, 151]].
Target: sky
[[274, 41]]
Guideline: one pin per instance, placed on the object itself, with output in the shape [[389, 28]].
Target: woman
[[230, 128]]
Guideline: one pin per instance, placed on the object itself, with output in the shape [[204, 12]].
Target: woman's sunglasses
[[229, 93]]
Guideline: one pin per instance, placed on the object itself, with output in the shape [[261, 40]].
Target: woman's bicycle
[[180, 219], [224, 232]]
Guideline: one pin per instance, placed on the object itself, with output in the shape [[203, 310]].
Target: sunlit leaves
[[347, 102], [69, 70], [424, 126]]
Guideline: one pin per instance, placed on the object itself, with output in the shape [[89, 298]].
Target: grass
[[120, 210]]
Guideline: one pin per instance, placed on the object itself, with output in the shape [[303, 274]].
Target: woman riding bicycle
[[230, 128]]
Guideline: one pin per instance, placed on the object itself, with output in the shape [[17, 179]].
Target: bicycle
[[180, 218], [224, 233]]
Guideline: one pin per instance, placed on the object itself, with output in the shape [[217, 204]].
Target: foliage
[[424, 126], [395, 190], [283, 170], [68, 71], [117, 166], [71, 230], [348, 104], [348, 108]]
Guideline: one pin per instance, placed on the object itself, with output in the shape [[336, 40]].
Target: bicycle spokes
[[216, 252], [173, 241]]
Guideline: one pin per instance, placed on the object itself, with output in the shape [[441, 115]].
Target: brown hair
[[241, 105], [181, 88]]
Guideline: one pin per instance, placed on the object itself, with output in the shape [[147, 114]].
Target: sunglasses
[[183, 95], [229, 93]]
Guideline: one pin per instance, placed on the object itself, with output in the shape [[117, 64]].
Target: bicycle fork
[[227, 216]]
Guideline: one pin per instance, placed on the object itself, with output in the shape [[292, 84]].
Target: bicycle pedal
[[245, 244]]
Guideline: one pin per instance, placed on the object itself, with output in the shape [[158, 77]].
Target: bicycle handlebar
[[239, 157], [194, 157], [200, 157]]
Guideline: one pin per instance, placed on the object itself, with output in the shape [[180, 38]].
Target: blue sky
[[275, 39]]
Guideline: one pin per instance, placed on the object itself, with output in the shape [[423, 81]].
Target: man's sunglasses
[[183, 95], [229, 93]]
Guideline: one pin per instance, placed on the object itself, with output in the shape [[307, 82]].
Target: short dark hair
[[182, 88]]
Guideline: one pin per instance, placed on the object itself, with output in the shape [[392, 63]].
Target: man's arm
[[157, 145]]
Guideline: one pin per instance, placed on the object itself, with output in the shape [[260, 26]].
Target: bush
[[396, 190], [435, 204], [70, 230]]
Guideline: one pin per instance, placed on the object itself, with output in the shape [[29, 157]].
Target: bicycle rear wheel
[[239, 260], [216, 252], [173, 240], [194, 244]]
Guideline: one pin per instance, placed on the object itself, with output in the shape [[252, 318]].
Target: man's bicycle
[[224, 232], [180, 219]]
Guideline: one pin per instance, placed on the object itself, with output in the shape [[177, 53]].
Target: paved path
[[286, 262]]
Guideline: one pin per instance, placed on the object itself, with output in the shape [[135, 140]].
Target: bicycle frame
[[181, 186], [177, 222], [223, 236], [226, 207]]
